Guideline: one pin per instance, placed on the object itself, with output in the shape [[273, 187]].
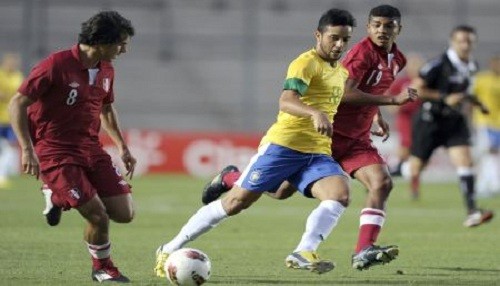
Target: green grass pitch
[[250, 249]]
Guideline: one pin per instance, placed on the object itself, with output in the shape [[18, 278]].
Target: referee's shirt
[[447, 74]]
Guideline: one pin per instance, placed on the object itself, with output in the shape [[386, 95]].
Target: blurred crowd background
[[218, 65]]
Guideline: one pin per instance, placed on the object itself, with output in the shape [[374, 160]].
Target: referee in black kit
[[443, 85]]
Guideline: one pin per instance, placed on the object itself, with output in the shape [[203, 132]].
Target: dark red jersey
[[375, 70], [65, 116]]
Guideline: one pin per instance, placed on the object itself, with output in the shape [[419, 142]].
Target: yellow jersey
[[9, 83], [487, 89], [321, 86]]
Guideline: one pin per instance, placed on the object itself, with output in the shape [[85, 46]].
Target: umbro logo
[[74, 84]]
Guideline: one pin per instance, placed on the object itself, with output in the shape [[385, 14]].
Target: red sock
[[370, 221], [415, 185], [230, 178], [101, 263], [100, 255]]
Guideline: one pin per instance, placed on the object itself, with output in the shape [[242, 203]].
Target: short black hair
[[386, 11], [463, 28], [336, 17], [106, 27]]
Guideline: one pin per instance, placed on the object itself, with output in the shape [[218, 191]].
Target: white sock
[[320, 224], [99, 251], [203, 220], [492, 173]]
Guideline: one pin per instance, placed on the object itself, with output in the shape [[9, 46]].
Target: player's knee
[[387, 185], [381, 186], [99, 218], [125, 216], [344, 198], [285, 191]]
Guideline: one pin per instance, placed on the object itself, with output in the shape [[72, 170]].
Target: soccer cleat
[[216, 187], [478, 217], [161, 257], [109, 273], [52, 213], [374, 255], [308, 260]]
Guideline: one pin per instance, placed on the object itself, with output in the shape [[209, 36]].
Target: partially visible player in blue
[[296, 148]]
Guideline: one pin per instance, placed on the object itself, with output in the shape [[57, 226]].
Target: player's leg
[[206, 218], [260, 175], [325, 180], [426, 137], [488, 180], [284, 191], [225, 180], [375, 177], [461, 158], [114, 195], [417, 165], [403, 125], [120, 208], [72, 189], [112, 189], [99, 246]]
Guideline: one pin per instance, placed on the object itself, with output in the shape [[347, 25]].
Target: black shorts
[[429, 133]]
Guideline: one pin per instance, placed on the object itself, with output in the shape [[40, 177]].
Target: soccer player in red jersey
[[373, 64], [57, 114]]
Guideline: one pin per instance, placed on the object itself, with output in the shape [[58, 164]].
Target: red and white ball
[[188, 267]]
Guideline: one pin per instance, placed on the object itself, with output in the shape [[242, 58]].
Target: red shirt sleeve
[[39, 80], [357, 61], [109, 80]]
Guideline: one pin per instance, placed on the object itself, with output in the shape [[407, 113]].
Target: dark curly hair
[[106, 27], [385, 11], [336, 17]]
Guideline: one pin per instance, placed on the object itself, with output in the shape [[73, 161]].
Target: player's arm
[[355, 96], [18, 110], [290, 103], [109, 120], [427, 93]]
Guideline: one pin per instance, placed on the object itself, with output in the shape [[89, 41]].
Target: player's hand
[[454, 99], [129, 162], [409, 95], [383, 129], [322, 124], [30, 163]]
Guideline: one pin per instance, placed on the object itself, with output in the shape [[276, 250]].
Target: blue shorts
[[7, 132], [274, 164], [493, 138]]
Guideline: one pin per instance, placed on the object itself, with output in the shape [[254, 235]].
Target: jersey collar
[[75, 52]]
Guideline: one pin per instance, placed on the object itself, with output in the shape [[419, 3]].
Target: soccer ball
[[188, 267]]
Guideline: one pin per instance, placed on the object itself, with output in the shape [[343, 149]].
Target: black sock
[[467, 187]]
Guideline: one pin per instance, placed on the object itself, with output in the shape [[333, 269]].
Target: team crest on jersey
[[75, 193], [74, 84], [255, 176], [106, 84]]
